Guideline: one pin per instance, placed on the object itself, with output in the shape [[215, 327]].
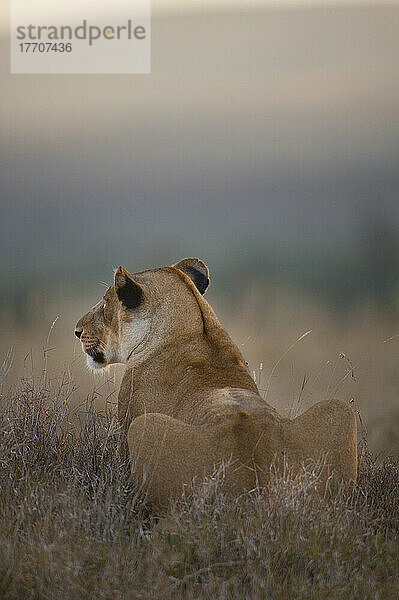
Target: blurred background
[[266, 142]]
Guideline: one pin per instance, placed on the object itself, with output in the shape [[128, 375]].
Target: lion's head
[[142, 310]]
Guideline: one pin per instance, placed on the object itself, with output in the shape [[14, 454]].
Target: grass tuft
[[72, 526]]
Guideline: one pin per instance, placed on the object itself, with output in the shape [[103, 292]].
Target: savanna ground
[[72, 526]]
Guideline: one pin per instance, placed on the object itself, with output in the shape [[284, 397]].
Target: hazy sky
[[269, 133], [162, 6]]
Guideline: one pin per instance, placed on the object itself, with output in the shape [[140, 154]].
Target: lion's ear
[[196, 270], [129, 292]]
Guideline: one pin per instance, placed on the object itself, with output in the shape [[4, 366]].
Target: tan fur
[[187, 401]]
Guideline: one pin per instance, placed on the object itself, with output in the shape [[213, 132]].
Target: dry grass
[[72, 527]]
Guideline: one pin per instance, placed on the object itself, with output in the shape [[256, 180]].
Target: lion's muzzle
[[92, 346]]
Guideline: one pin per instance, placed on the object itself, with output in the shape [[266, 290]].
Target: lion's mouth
[[96, 355]]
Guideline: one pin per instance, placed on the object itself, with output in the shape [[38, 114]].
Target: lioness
[[187, 401]]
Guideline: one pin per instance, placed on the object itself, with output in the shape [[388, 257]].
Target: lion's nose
[[78, 333]]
